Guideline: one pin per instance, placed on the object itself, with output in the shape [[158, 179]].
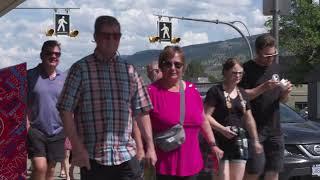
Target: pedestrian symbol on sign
[[165, 31], [62, 24]]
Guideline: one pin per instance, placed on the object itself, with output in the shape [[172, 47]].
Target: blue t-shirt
[[43, 95]]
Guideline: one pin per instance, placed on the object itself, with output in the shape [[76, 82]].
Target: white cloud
[[23, 30], [190, 38]]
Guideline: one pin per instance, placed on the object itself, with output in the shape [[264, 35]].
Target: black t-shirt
[[265, 108], [233, 117]]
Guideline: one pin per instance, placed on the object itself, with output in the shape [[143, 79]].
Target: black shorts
[[234, 152], [129, 170], [39, 145], [272, 157]]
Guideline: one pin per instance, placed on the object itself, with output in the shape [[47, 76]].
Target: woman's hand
[[228, 133], [258, 148], [217, 151]]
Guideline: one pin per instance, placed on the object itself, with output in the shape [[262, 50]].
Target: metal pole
[[216, 22], [47, 8], [243, 25], [275, 25]]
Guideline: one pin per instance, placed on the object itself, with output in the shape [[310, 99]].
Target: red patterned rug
[[13, 154]]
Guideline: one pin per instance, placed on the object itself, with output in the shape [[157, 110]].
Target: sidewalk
[[76, 172]]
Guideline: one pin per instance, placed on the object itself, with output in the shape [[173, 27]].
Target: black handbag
[[172, 138]]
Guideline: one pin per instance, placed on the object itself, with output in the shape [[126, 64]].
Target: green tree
[[194, 69], [300, 35]]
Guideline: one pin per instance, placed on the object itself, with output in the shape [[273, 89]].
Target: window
[[318, 100], [300, 105]]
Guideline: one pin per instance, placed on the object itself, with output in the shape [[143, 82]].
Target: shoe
[[62, 175]]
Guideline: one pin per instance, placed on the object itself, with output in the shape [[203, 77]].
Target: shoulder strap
[[182, 102], [243, 102]]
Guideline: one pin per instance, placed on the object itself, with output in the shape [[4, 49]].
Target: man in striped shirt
[[101, 97]]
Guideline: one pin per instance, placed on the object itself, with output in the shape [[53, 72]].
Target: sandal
[[62, 175]]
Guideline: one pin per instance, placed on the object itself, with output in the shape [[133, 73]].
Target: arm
[[215, 125], [27, 121], [252, 129], [144, 124], [257, 91], [137, 137], [208, 135], [80, 154]]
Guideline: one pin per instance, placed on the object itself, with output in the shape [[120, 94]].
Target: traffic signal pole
[[215, 22], [275, 25]]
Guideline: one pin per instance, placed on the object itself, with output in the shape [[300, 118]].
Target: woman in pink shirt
[[184, 162]]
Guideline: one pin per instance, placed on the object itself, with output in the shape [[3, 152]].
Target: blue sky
[[23, 31]]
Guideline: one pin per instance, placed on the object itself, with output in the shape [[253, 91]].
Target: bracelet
[[212, 144], [256, 141]]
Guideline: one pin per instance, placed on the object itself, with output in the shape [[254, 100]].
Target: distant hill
[[213, 52]]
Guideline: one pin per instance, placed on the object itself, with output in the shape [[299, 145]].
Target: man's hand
[[140, 154], [258, 148], [151, 157], [288, 88], [80, 157], [284, 97], [270, 84]]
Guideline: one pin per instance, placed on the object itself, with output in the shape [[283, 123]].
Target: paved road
[[76, 172]]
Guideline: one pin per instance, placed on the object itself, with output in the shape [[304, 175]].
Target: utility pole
[[275, 25]]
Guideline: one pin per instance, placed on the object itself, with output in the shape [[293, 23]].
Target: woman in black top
[[229, 114]]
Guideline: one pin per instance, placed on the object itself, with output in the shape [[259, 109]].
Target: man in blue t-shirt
[[262, 85], [45, 133]]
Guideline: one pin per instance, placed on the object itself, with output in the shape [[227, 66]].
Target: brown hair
[[263, 41], [168, 53], [230, 63], [105, 20]]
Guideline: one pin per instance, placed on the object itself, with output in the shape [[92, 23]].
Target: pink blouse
[[187, 159]]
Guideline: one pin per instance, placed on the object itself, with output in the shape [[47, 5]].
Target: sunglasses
[[269, 55], [49, 53], [237, 73], [115, 36], [167, 64]]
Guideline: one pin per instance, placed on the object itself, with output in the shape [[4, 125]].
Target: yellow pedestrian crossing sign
[[62, 24], [165, 31]]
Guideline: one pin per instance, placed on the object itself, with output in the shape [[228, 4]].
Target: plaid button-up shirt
[[104, 96]]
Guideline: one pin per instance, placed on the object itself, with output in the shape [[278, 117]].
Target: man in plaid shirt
[[100, 99]]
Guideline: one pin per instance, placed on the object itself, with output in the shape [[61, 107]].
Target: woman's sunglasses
[[167, 64]]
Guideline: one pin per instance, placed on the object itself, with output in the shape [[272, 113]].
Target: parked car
[[302, 147]]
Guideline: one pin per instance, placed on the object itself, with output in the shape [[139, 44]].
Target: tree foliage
[[194, 70], [300, 34]]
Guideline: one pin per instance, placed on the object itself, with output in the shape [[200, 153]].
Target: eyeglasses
[[49, 53], [155, 70], [167, 64], [237, 73], [115, 36], [269, 55]]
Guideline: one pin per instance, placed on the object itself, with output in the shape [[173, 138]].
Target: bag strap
[[182, 103]]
